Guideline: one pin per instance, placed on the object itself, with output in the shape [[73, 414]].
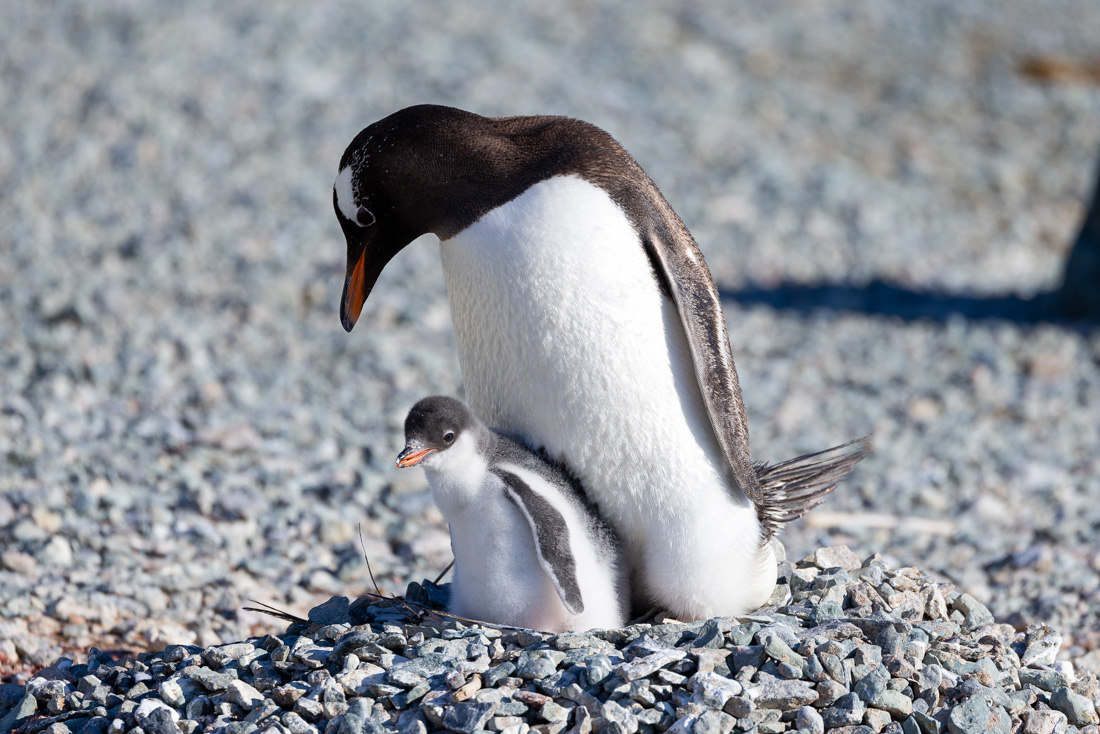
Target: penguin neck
[[458, 475], [483, 173]]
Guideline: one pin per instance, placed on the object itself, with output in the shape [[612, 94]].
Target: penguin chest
[[565, 338], [497, 574]]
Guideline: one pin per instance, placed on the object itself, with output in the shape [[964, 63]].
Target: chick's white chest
[[497, 576]]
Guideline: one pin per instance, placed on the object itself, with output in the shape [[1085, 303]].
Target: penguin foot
[[654, 615]]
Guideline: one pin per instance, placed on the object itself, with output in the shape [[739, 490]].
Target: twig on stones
[[275, 612], [457, 618], [444, 572], [363, 545]]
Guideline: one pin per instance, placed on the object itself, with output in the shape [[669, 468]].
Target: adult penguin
[[587, 323]]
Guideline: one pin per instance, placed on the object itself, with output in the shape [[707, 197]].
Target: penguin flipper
[[684, 275], [552, 542], [794, 487]]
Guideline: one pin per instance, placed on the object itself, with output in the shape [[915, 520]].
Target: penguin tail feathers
[[792, 488]]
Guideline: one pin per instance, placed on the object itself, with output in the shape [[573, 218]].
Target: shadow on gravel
[[879, 298], [1076, 301], [885, 299]]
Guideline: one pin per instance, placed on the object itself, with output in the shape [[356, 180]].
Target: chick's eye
[[364, 217], [449, 437]]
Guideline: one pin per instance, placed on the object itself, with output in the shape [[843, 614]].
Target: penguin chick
[[530, 551]]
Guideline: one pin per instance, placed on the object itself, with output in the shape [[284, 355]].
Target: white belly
[[565, 338], [497, 577]]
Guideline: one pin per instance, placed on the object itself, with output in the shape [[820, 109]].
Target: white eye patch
[[345, 199]]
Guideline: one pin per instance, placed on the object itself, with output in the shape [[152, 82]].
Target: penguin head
[[399, 178], [433, 169], [432, 427], [371, 197]]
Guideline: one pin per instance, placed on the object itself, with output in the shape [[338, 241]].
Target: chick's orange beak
[[411, 456]]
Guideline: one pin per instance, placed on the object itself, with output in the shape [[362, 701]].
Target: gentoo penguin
[[529, 549], [587, 323]]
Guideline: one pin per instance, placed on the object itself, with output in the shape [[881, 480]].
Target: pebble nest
[[185, 426], [844, 646]]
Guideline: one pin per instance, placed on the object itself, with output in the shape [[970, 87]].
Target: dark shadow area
[[1076, 300], [1079, 295], [886, 299]]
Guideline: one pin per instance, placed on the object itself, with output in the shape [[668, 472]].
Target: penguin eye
[[364, 217], [449, 437]]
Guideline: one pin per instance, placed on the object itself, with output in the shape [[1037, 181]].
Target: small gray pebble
[[871, 684], [978, 715], [739, 707], [808, 719], [295, 724], [334, 611], [210, 680], [1079, 710], [243, 695], [713, 722], [598, 667], [536, 667], [1047, 680], [494, 675], [1044, 722], [846, 711], [784, 695], [468, 716], [618, 719]]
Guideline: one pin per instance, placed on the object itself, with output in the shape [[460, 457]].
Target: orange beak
[[354, 293], [410, 456]]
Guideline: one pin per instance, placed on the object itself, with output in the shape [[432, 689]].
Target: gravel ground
[[847, 647], [184, 424]]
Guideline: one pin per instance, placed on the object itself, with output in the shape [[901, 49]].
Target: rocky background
[[878, 187]]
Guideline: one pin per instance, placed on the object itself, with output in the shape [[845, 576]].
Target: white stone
[[171, 692], [243, 695], [58, 552], [149, 705]]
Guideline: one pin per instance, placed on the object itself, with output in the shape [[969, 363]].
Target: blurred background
[[884, 192]]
